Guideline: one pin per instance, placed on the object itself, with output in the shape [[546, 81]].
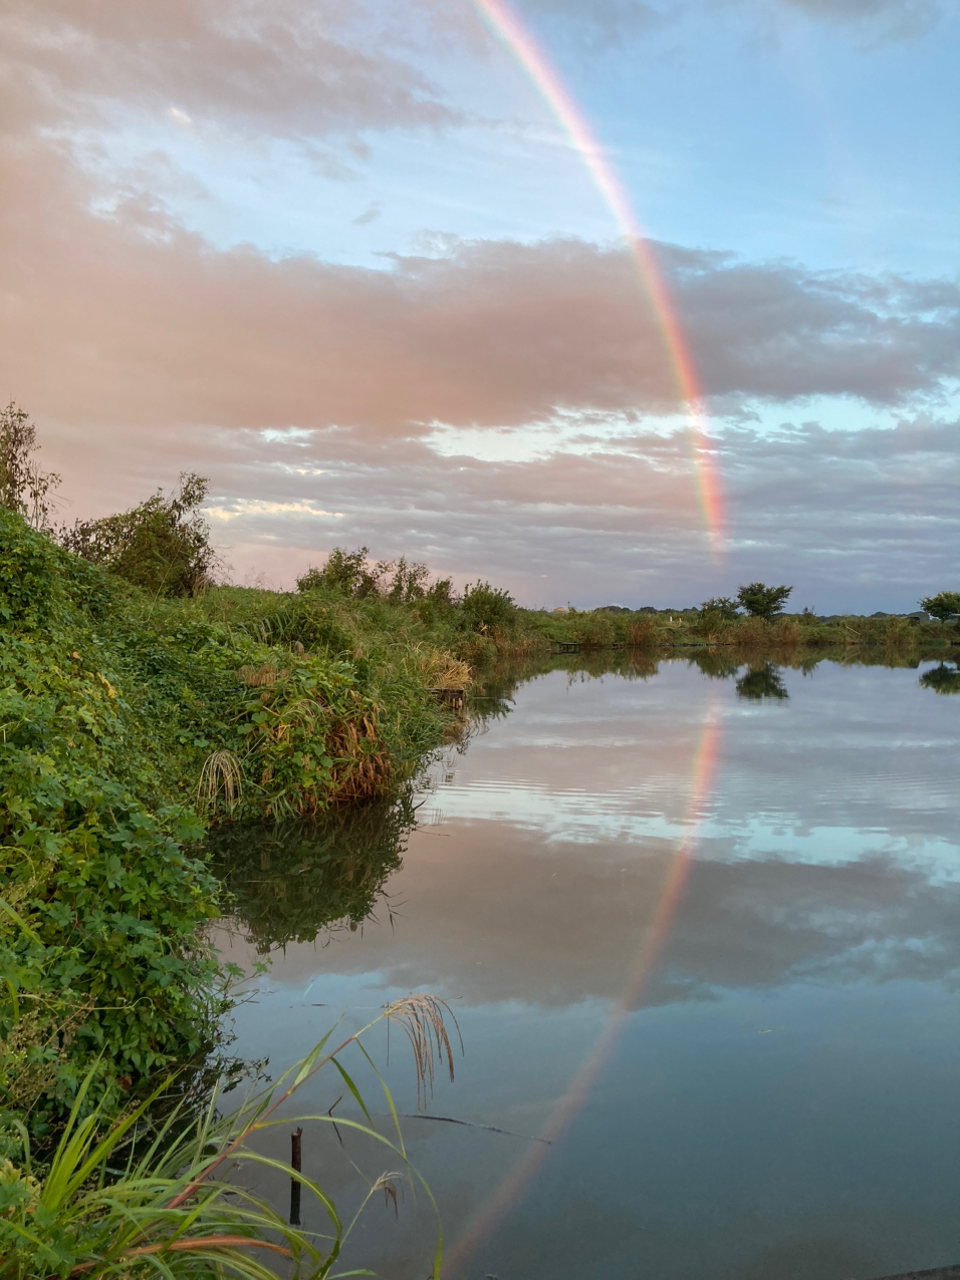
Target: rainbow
[[510, 1191], [547, 82]]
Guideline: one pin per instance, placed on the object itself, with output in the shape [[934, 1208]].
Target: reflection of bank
[[289, 881]]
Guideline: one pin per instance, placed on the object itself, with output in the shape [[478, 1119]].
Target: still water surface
[[701, 933]]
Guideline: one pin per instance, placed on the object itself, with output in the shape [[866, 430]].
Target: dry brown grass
[[265, 675], [422, 1019], [750, 633], [221, 773], [642, 633], [442, 670], [785, 633], [363, 770]]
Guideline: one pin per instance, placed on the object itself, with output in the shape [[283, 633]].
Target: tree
[[347, 572], [399, 581], [162, 545], [721, 608], [24, 488], [943, 605], [761, 601]]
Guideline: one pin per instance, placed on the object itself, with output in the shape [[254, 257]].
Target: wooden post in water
[[295, 1158]]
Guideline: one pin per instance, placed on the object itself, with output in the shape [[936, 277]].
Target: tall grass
[[132, 1200]]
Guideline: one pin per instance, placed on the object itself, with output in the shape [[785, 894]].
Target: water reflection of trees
[[760, 682], [942, 679], [493, 696], [288, 882]]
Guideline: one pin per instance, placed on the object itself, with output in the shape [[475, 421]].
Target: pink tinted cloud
[[131, 319]]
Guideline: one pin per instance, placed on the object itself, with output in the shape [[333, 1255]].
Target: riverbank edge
[[129, 727]]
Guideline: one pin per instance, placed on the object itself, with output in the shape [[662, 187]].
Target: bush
[[162, 545], [719, 609], [943, 605], [486, 608], [24, 488], [761, 601]]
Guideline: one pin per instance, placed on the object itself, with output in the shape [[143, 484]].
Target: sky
[[600, 300]]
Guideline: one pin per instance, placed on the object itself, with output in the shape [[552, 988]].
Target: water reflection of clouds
[[828, 847], [496, 917], [822, 910]]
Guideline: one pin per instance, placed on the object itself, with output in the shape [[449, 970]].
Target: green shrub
[[486, 608], [162, 545], [761, 601], [945, 604]]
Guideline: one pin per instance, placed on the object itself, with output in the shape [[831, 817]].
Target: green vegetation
[[761, 601], [129, 724], [715, 625], [24, 487], [136, 1198], [945, 604], [162, 545]]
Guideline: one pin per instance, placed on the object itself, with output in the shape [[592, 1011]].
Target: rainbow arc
[[534, 61]]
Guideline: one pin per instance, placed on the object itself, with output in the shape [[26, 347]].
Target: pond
[[700, 928]]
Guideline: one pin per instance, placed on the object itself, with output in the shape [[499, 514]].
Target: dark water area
[[700, 929]]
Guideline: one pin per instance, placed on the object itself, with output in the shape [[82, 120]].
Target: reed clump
[[136, 1197]]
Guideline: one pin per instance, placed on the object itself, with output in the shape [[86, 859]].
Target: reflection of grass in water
[[290, 881], [942, 679]]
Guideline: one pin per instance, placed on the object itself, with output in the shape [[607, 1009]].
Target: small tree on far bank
[[761, 601], [24, 488], [351, 573], [943, 605], [721, 608]]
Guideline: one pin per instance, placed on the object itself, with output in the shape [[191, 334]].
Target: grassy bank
[[129, 726], [692, 628]]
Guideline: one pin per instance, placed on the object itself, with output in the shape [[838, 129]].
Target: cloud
[[369, 215], [140, 348], [901, 18], [129, 318], [292, 69]]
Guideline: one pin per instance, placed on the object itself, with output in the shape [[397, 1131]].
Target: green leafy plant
[[945, 604], [132, 1199], [487, 608], [162, 545], [24, 488], [721, 608], [761, 601]]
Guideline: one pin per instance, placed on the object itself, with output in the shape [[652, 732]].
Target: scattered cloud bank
[[141, 349], [128, 318]]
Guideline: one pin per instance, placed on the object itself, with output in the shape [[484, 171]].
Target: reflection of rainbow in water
[[512, 1188], [551, 88]]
